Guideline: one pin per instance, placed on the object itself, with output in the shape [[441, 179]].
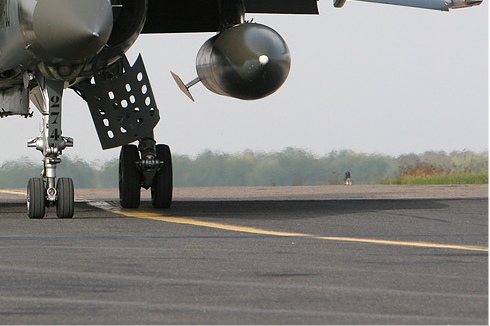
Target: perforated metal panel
[[123, 108]]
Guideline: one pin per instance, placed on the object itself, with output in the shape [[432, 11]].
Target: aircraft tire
[[36, 198], [65, 206], [161, 189], [129, 177]]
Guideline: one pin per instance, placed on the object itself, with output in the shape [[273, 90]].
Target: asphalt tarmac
[[297, 255]]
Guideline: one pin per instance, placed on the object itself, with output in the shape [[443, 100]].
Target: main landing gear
[[152, 170], [124, 110]]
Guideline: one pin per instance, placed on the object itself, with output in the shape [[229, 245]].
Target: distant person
[[347, 178]]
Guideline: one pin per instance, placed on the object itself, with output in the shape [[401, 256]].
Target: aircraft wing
[[281, 6], [443, 5], [310, 6], [190, 16]]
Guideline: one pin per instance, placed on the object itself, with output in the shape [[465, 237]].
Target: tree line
[[291, 166]]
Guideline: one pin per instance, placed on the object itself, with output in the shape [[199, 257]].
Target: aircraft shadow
[[290, 209]]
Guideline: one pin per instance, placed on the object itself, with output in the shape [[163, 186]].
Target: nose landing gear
[[44, 191]]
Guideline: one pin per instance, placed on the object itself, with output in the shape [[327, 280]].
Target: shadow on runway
[[298, 209], [256, 209]]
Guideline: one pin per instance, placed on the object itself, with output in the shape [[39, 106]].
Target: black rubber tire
[[129, 177], [162, 187], [65, 206], [36, 198]]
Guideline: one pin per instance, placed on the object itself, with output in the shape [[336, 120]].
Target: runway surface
[[293, 255]]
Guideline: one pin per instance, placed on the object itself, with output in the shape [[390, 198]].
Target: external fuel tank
[[248, 61]]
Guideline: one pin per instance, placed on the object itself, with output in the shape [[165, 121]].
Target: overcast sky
[[368, 77]]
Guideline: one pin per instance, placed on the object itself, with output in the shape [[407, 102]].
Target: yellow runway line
[[247, 229], [408, 243], [14, 192]]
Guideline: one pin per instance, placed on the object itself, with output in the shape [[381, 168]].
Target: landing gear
[[124, 110], [45, 191], [161, 190], [153, 169], [36, 198], [129, 177], [65, 207]]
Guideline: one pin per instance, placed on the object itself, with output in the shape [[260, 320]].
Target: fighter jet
[[49, 46]]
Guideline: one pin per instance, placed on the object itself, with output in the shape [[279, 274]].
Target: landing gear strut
[[45, 191]]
